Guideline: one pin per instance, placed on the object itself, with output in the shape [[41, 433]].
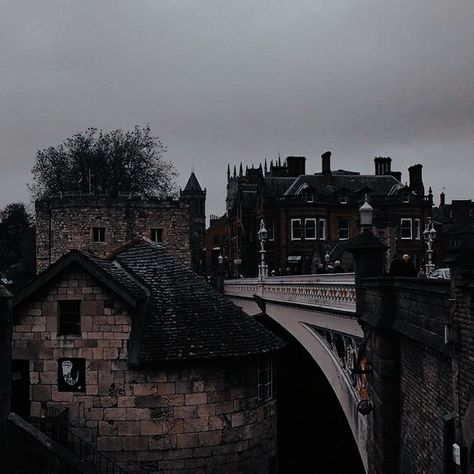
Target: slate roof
[[192, 184], [176, 314], [380, 185], [276, 186]]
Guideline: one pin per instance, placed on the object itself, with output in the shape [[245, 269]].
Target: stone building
[[216, 243], [100, 223], [157, 369], [311, 217], [420, 345]]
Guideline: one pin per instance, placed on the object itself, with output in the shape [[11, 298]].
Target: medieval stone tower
[[99, 224], [196, 198]]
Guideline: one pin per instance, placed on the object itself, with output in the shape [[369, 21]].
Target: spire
[[193, 184], [235, 172], [279, 159], [265, 167], [240, 169], [228, 172]]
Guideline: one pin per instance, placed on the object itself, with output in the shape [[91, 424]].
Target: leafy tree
[[17, 241], [110, 163]]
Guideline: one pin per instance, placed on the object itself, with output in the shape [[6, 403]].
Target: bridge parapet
[[331, 291]]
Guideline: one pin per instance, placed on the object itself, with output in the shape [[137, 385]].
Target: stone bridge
[[320, 312]]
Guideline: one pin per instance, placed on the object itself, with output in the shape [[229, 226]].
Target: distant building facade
[[309, 218], [157, 369], [216, 243], [100, 224]]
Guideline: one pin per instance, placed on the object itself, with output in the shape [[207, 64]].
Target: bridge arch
[[313, 328]]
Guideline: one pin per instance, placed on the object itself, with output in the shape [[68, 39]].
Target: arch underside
[[332, 341]]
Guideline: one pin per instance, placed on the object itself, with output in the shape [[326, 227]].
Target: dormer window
[[343, 198], [309, 198], [406, 198]]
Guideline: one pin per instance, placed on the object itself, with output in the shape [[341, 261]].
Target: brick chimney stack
[[296, 166], [383, 165], [416, 179], [326, 169]]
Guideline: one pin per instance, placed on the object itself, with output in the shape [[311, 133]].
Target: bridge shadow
[[313, 433]]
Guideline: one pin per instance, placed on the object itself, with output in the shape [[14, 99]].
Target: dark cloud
[[239, 81]]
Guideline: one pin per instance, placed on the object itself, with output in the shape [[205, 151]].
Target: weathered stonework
[[189, 417], [66, 223]]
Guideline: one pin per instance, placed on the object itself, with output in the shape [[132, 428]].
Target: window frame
[[324, 235], [61, 313], [98, 228], [409, 227], [155, 229], [265, 378], [417, 229], [270, 226], [315, 229], [292, 222], [339, 228]]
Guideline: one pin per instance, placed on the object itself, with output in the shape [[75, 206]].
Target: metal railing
[[59, 431], [89, 454]]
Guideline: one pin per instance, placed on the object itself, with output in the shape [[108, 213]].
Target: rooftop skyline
[[225, 83]]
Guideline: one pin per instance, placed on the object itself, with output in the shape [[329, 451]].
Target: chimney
[[326, 157], [442, 199], [416, 179], [296, 166], [397, 175], [383, 165]]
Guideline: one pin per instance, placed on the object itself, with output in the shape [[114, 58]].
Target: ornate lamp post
[[262, 237], [366, 215], [429, 235]]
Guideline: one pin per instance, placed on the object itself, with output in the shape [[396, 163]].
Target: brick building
[[100, 223], [156, 368], [309, 216], [216, 243]]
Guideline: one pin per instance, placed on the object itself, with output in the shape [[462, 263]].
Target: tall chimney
[[383, 165], [326, 157], [416, 179], [442, 199], [296, 166]]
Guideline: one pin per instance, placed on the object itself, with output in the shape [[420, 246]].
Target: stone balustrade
[[333, 291]]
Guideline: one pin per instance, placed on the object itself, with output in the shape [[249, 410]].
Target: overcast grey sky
[[228, 81]]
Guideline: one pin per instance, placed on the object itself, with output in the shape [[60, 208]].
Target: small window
[[69, 318], [343, 229], [406, 229], [343, 199], [270, 226], [295, 229], [417, 229], [322, 229], [265, 378], [310, 229], [406, 198], [98, 234], [156, 235], [309, 197]]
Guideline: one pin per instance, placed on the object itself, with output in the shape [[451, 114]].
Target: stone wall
[[63, 224], [414, 382], [5, 365], [192, 417]]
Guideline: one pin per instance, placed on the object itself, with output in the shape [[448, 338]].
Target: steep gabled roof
[[187, 318], [177, 315], [117, 281]]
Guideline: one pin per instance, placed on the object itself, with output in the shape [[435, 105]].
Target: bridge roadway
[[320, 312]]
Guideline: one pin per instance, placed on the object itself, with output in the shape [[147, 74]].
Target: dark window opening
[[343, 229], [69, 318], [265, 378], [98, 234], [156, 235]]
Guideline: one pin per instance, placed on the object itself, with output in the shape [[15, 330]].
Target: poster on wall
[[71, 375]]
